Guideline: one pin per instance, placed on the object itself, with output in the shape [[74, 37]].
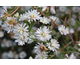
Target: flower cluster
[[39, 32]]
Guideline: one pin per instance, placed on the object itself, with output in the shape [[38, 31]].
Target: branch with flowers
[[39, 32]]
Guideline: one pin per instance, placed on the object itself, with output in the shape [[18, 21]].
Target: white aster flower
[[33, 15], [22, 54], [21, 33], [1, 34], [53, 45], [4, 55], [72, 56], [75, 9], [9, 23], [20, 28], [30, 57], [1, 12], [78, 42], [8, 43], [16, 15], [9, 7], [43, 34], [55, 19], [3, 44], [71, 30], [63, 30], [43, 55], [62, 8], [10, 54], [39, 48], [45, 20], [21, 39], [52, 10], [7, 27], [23, 17], [43, 7]]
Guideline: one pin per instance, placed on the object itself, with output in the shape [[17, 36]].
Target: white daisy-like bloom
[[8, 24], [10, 54], [7, 27], [16, 15], [45, 20], [1, 34], [6, 7], [43, 34], [8, 43], [22, 54], [42, 55], [4, 55], [21, 33], [20, 29], [75, 9], [39, 48], [63, 30], [55, 19], [52, 10], [53, 45], [2, 45], [21, 39], [30, 57], [72, 56], [33, 15], [1, 12], [62, 8], [43, 7], [3, 42], [78, 42], [9, 7], [23, 17], [71, 30]]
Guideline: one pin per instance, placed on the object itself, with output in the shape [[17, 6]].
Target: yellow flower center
[[52, 44], [11, 21], [44, 21], [43, 34], [21, 30], [41, 57]]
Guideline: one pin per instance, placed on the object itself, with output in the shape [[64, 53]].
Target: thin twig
[[12, 12], [71, 39]]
